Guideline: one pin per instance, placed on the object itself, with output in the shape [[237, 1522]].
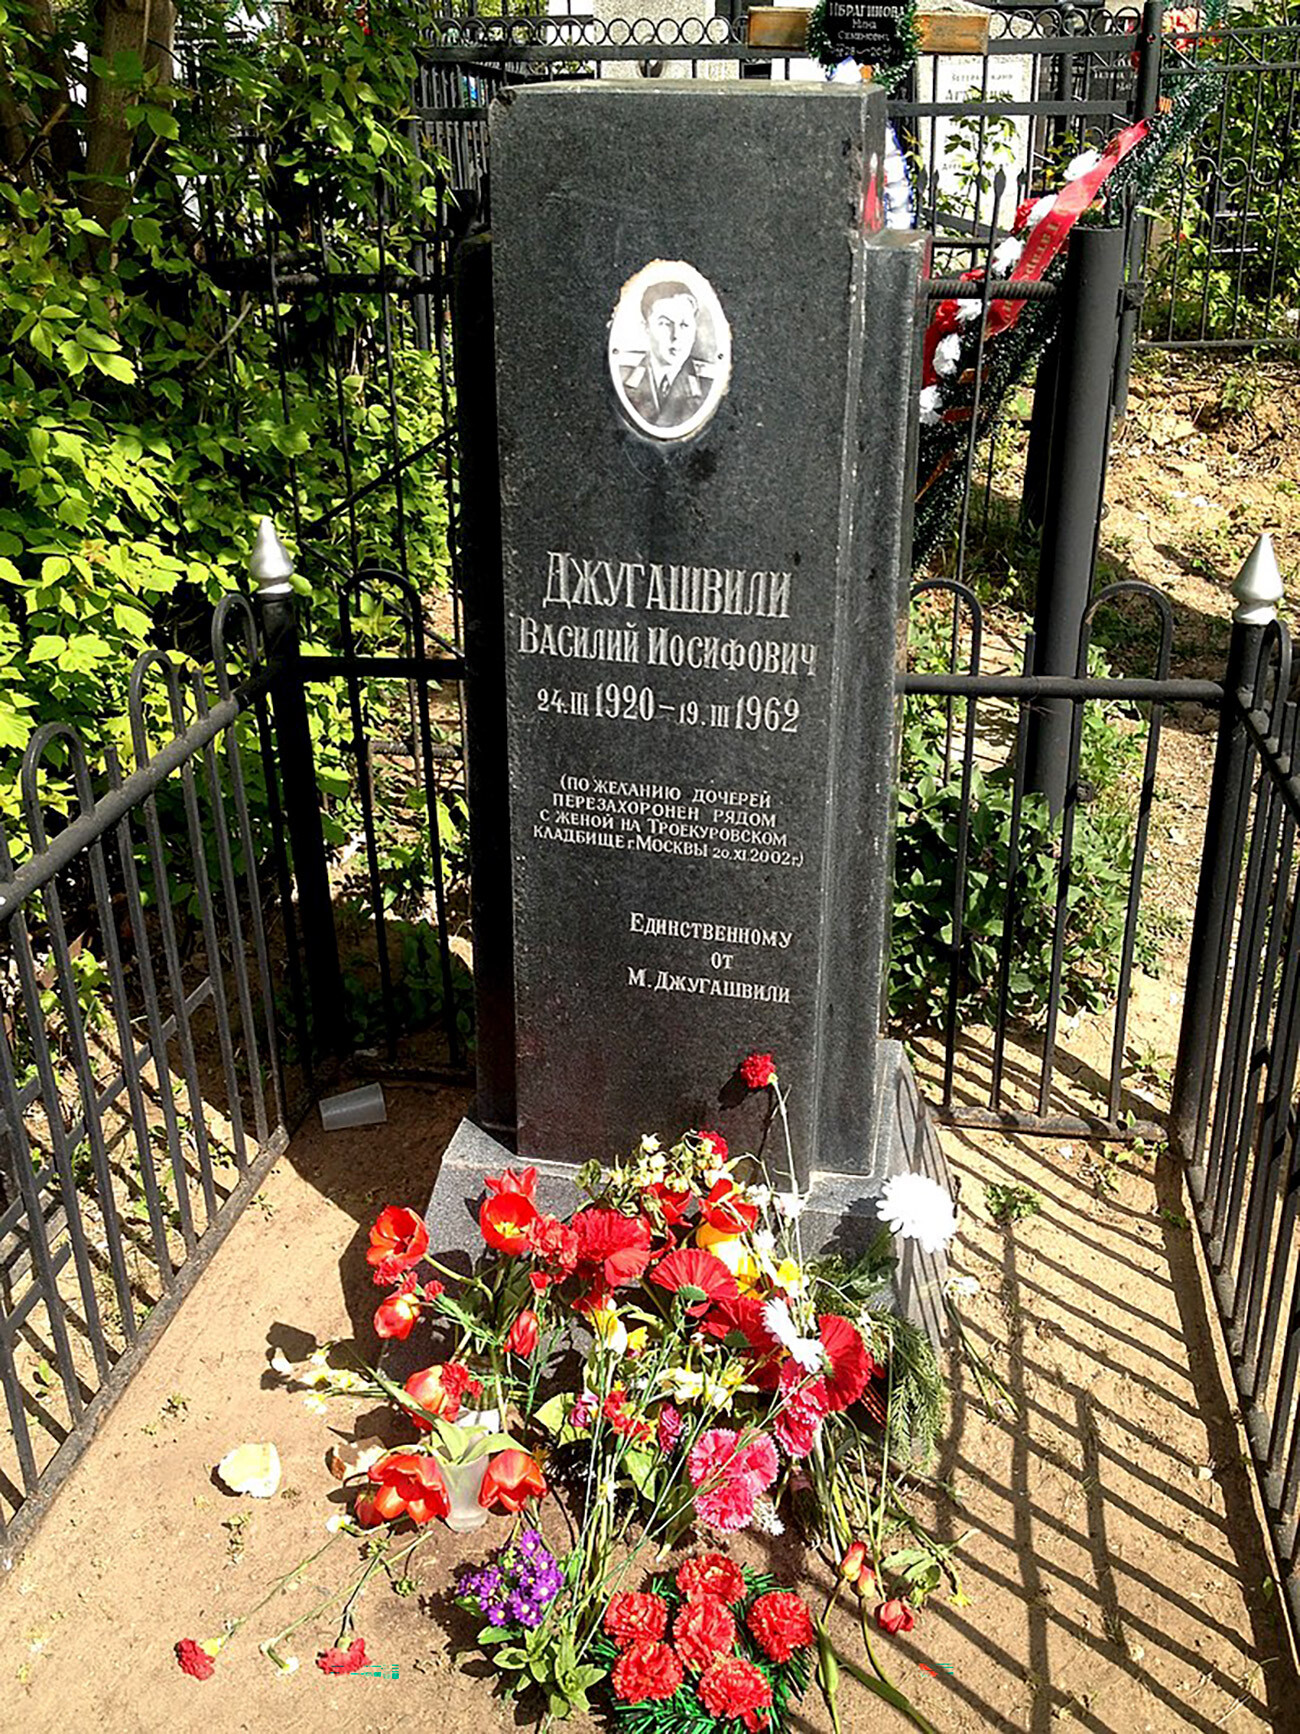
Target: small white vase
[[464, 1484], [465, 1480]]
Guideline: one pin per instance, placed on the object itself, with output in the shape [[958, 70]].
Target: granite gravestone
[[706, 378]]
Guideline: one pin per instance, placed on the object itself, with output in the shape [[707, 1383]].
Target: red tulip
[[524, 1183], [513, 1478], [505, 1220], [398, 1240], [673, 1205], [522, 1339], [895, 1616], [726, 1211], [852, 1563], [408, 1483], [438, 1390], [396, 1316]]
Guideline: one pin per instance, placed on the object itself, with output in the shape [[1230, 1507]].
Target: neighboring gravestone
[[706, 387], [659, 24]]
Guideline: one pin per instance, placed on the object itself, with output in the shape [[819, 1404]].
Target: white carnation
[[931, 399], [917, 1208], [1006, 255], [1083, 164]]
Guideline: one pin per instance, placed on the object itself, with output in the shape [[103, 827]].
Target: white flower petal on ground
[[806, 1351], [253, 1469], [962, 1287], [917, 1208]]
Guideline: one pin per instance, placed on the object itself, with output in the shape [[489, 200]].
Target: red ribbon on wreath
[[1042, 244]]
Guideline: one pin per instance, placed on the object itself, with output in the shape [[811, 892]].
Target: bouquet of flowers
[[662, 1359]]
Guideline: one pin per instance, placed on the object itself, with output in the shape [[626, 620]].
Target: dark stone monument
[[706, 364]]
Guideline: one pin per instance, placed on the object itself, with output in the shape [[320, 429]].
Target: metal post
[[1073, 495], [1037, 455], [487, 768], [1146, 103], [271, 569], [1257, 590]]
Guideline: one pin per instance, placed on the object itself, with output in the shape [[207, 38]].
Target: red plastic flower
[[692, 1267], [757, 1071], [711, 1574], [438, 1390], [702, 1631], [407, 1483], [644, 1671], [624, 1422], [505, 1221], [194, 1660], [895, 1616], [798, 1421], [396, 1316], [398, 1240], [524, 1183], [512, 1479], [713, 1144], [725, 1210], [336, 1661], [734, 1689], [850, 1364], [633, 1617], [611, 1246], [781, 1624], [521, 1338]]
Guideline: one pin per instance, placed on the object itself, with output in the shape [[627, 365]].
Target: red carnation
[[612, 1247], [646, 1670], [692, 1267], [850, 1364], [398, 1240], [703, 1630], [524, 1183], [733, 1690], [668, 1427], [758, 1071], [781, 1624], [554, 1242], [725, 1210], [635, 1617], [798, 1421], [711, 1574], [194, 1660], [713, 1144], [336, 1661]]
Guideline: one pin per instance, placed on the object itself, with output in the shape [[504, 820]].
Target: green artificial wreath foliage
[[822, 49], [683, 1713]]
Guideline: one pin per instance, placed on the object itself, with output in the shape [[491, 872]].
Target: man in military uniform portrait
[[669, 383]]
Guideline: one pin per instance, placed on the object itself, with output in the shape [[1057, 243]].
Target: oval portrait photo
[[669, 350]]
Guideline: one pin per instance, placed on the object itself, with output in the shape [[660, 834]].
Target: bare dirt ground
[[1113, 1560]]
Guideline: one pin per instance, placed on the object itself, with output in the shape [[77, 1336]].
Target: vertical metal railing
[[1235, 1120], [142, 1091]]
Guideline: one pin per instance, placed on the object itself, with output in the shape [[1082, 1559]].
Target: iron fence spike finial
[[269, 565], [1258, 586]]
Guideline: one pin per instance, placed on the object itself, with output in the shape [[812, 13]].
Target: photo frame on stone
[[669, 350]]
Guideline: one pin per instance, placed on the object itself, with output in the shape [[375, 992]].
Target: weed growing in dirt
[[1008, 1204]]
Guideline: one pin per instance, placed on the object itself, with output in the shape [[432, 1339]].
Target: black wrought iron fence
[[142, 1095], [1235, 1119], [1015, 911], [1223, 255]]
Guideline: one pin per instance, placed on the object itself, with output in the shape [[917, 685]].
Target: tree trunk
[[147, 27]]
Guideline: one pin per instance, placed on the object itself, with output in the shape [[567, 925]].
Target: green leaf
[[115, 366]]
